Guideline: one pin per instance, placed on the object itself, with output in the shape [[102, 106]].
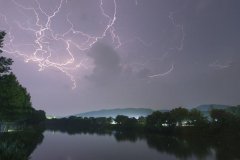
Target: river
[[112, 145], [63, 146]]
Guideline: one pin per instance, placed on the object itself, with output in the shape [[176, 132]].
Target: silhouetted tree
[[223, 119], [121, 119], [142, 121], [125, 122], [4, 62], [196, 118], [13, 96], [178, 115], [234, 110], [155, 120]]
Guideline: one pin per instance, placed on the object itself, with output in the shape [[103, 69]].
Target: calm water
[[62, 146], [36, 144]]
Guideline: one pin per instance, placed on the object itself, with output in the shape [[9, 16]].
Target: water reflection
[[106, 144], [181, 148], [224, 146], [19, 145]]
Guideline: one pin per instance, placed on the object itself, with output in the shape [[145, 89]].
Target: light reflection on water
[[62, 146]]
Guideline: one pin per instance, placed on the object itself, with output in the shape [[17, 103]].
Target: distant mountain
[[130, 112], [208, 107], [137, 112]]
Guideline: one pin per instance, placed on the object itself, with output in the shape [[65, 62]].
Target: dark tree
[[125, 122], [4, 62], [179, 114], [222, 118], [12, 95], [142, 121], [121, 119], [196, 118], [234, 110], [154, 120]]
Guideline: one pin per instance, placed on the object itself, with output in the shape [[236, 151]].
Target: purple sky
[[125, 53]]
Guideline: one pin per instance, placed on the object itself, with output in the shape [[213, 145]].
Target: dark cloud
[[106, 64]]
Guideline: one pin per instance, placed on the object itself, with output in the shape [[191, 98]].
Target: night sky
[[82, 55]]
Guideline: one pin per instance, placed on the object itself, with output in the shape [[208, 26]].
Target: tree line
[[178, 119]]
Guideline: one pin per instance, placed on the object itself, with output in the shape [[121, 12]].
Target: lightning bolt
[[44, 34], [178, 48], [180, 27], [163, 74], [166, 52]]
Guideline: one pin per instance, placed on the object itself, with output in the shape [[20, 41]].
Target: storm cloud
[[107, 64], [196, 42]]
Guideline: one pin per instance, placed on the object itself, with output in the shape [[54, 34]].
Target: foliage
[[4, 62], [35, 117], [196, 118], [222, 119], [234, 110], [121, 119], [156, 120], [78, 124], [179, 114], [13, 96], [125, 122]]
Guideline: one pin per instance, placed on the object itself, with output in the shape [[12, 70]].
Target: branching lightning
[[75, 52], [44, 34]]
